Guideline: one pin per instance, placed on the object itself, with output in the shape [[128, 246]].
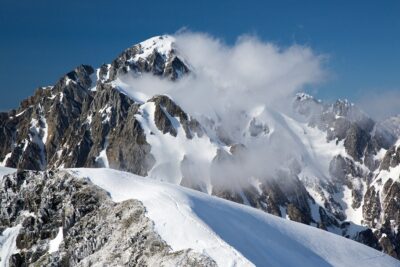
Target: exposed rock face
[[372, 207], [40, 126], [382, 212], [166, 114], [94, 229], [70, 125], [356, 142], [391, 159]]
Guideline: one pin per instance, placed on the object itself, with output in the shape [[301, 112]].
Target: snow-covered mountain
[[325, 165], [143, 222]]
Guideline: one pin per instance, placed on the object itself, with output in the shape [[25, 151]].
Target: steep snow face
[[232, 234]]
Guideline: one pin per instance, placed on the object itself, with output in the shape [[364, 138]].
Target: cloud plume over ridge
[[230, 85], [248, 73]]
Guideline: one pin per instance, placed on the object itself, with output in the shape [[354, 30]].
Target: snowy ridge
[[232, 234]]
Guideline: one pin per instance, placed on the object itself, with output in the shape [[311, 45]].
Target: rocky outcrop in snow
[[65, 221]]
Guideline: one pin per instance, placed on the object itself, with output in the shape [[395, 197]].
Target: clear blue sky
[[41, 40]]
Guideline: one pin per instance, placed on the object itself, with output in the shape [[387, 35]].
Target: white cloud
[[229, 79], [248, 73]]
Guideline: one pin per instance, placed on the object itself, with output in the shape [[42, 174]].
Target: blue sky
[[41, 40]]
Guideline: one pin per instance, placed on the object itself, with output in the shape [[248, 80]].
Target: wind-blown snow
[[230, 233]]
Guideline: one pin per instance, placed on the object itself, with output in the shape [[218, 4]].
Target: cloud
[[250, 72], [380, 105], [231, 83], [239, 76]]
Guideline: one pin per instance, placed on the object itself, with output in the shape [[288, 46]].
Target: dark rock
[[168, 115], [356, 142]]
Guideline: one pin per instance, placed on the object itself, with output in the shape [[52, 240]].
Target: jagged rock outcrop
[[91, 228], [164, 117], [382, 213], [151, 56], [391, 158]]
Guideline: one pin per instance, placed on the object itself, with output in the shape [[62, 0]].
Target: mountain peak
[[163, 44], [155, 55]]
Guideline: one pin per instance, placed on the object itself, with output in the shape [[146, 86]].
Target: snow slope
[[230, 233]]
